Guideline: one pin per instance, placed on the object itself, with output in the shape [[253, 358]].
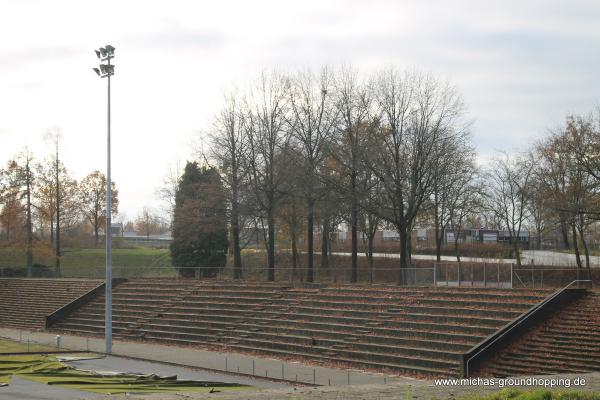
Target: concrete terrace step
[[567, 342], [220, 315], [358, 363], [421, 295], [27, 302], [325, 322], [573, 360], [426, 290], [383, 316], [343, 335], [556, 338], [284, 309], [585, 348], [319, 352], [298, 317], [334, 338], [545, 366], [201, 334]]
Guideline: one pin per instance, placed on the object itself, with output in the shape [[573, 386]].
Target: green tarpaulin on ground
[[47, 369]]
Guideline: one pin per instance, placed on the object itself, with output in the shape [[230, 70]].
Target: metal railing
[[519, 321]]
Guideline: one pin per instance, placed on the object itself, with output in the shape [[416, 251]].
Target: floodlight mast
[[106, 71]]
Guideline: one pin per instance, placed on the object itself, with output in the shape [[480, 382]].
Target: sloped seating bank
[[420, 331], [567, 342], [25, 303]]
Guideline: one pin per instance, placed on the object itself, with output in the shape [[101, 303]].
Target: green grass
[[90, 263], [9, 346], [539, 394]]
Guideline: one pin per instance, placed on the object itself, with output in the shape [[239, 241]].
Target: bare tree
[[166, 192], [452, 176], [229, 147], [580, 138], [509, 179], [54, 136], [147, 223], [265, 130], [353, 102], [312, 123], [538, 208], [369, 220], [551, 177], [469, 202], [92, 201], [416, 113]]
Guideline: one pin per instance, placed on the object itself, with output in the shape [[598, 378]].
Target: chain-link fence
[[493, 275]]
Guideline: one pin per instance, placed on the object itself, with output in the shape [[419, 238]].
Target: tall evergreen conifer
[[199, 246]]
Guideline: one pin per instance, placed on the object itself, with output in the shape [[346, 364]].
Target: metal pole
[[108, 235], [511, 274]]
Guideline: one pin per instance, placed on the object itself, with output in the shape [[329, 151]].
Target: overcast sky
[[521, 66]]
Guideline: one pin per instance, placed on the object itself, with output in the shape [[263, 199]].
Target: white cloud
[[521, 67]]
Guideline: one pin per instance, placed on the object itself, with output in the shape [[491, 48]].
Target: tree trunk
[[585, 246], [235, 233], [354, 277], [515, 241], [29, 226], [576, 246], [271, 245], [295, 255], [438, 239], [439, 236], [309, 236], [354, 227], [403, 252], [325, 245], [370, 256], [456, 250], [57, 249], [565, 234], [51, 230]]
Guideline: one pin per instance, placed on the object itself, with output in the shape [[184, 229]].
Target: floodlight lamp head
[[98, 54], [110, 50], [97, 71], [103, 51], [104, 69]]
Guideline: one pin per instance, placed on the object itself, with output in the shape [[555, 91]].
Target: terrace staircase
[[568, 342], [25, 303], [418, 331]]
